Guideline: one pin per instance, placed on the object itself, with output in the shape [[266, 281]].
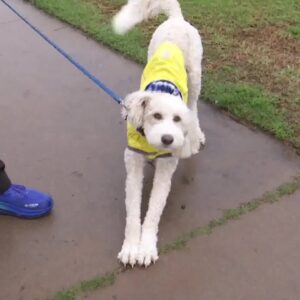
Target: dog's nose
[[167, 139]]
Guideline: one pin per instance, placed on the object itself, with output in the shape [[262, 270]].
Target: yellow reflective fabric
[[167, 63]]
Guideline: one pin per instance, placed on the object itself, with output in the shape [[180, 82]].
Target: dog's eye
[[177, 119], [157, 116]]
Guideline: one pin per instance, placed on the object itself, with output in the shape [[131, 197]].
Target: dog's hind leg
[[193, 57], [197, 136], [134, 163], [165, 168]]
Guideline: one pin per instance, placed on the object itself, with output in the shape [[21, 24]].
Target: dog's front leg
[[134, 163], [165, 168]]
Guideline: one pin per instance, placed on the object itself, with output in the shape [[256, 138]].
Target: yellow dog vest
[[165, 72]]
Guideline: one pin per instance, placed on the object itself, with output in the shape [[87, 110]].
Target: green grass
[[249, 103], [87, 286], [295, 31], [100, 282], [84, 16], [252, 49]]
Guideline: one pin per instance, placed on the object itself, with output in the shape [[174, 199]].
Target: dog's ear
[[134, 107]]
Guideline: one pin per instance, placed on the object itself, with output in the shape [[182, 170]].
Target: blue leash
[[100, 84]]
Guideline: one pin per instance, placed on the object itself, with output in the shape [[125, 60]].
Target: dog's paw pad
[[128, 254]]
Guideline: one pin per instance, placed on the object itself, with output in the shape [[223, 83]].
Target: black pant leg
[[4, 179]]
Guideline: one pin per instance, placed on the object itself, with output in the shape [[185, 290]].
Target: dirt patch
[[270, 57], [267, 57], [107, 8], [264, 53]]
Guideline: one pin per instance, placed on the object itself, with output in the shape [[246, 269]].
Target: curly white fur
[[140, 240], [138, 10]]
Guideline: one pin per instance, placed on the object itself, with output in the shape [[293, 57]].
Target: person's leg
[[20, 201]]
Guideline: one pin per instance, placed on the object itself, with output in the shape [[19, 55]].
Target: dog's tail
[[136, 11]]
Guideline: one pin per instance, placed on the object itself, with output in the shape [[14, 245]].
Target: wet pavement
[[256, 257], [60, 133]]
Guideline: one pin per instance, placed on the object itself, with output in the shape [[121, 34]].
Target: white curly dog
[[162, 119]]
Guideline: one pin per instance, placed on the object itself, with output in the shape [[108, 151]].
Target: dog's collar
[[163, 86]]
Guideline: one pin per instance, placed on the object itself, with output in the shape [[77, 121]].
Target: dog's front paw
[[147, 250], [129, 253]]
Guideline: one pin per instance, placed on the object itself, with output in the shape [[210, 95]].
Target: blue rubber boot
[[24, 202]]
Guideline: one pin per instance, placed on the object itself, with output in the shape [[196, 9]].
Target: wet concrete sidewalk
[[257, 257], [60, 133]]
